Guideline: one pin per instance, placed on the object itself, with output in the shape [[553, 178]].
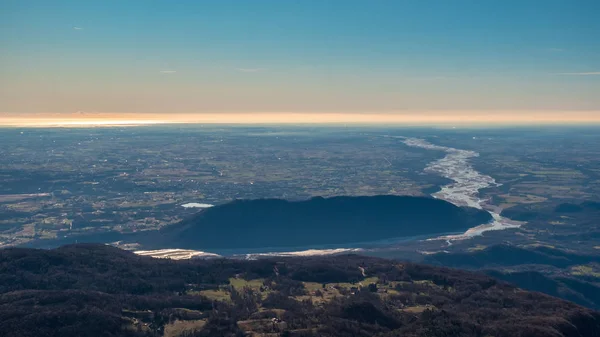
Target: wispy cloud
[[168, 71], [250, 70], [590, 73], [77, 28]]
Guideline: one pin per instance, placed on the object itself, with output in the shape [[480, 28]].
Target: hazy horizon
[[456, 118]]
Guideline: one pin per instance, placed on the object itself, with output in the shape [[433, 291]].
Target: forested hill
[[317, 221], [97, 290], [568, 275]]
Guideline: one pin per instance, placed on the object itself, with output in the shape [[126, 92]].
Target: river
[[464, 190]]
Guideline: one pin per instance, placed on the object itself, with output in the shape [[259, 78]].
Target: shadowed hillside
[[571, 276], [337, 220]]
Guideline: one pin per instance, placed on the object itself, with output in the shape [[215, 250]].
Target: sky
[[427, 58]]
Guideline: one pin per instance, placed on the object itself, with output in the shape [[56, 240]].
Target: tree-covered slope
[[317, 221], [96, 290]]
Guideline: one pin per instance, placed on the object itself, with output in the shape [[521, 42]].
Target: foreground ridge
[[90, 290]]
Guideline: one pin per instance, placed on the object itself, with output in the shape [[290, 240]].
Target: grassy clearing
[[312, 286], [585, 271], [215, 294], [328, 293], [365, 282], [417, 309], [369, 280], [313, 289], [426, 282], [240, 283], [178, 328], [260, 326], [331, 290]]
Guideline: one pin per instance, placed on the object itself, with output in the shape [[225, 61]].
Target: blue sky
[[207, 56]]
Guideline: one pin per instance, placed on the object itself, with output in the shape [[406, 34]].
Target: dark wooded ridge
[[97, 290]]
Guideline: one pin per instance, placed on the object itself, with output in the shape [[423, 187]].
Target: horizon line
[[404, 118]]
